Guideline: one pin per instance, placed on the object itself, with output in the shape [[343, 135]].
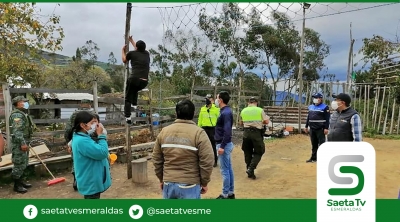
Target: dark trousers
[[317, 138], [253, 147], [93, 196], [133, 86], [210, 133]]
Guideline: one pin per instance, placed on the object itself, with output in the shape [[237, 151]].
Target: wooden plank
[[164, 108], [45, 90], [38, 149], [49, 121], [120, 101], [54, 106], [176, 97]]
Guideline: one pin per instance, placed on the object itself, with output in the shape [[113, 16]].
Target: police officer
[[252, 120], [318, 121], [21, 128], [84, 106], [207, 120], [345, 124]]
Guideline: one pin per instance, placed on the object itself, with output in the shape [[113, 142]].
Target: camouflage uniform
[[21, 128], [68, 128]]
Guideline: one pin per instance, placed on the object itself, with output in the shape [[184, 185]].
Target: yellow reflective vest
[[208, 116]]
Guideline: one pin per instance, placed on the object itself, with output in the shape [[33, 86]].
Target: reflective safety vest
[[251, 114], [208, 116]]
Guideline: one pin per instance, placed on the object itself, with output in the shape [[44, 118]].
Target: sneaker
[[311, 161], [215, 164], [129, 121], [222, 197], [231, 196]]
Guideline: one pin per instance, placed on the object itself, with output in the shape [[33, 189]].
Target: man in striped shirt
[[345, 124]]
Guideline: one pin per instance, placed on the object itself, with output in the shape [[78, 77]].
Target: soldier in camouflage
[[21, 128], [85, 106]]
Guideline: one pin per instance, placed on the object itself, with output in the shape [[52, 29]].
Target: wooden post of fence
[[367, 116], [95, 98], [128, 127], [7, 112], [392, 118], [386, 115], [380, 113], [150, 118]]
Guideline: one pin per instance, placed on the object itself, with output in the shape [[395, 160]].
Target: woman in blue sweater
[[91, 164]]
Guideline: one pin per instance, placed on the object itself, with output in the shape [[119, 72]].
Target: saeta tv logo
[[346, 181]]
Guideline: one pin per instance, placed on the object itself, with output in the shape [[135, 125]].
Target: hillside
[[62, 60]]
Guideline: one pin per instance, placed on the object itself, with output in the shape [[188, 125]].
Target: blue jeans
[[181, 191], [225, 165]]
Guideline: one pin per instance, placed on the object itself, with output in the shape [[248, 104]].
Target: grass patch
[[381, 137]]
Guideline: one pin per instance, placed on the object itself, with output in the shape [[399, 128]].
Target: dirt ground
[[282, 173]]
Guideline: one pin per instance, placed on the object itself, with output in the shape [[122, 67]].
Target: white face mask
[[216, 102], [92, 128], [334, 105], [315, 101]]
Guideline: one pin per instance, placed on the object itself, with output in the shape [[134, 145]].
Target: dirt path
[[282, 173]]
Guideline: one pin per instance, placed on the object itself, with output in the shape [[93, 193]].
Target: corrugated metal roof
[[74, 96], [68, 96]]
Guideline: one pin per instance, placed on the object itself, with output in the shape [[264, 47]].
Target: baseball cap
[[19, 98], [253, 99], [343, 97], [317, 95]]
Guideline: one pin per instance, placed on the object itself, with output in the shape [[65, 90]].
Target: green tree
[[23, 37], [116, 73]]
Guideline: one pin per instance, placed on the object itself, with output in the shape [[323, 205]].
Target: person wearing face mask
[[92, 169], [21, 128], [84, 106], [207, 120], [318, 121], [345, 124]]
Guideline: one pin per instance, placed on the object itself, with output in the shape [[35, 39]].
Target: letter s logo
[[346, 180]]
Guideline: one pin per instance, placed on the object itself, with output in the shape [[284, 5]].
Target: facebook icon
[[30, 212]]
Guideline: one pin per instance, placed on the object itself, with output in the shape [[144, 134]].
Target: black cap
[[343, 97], [253, 100]]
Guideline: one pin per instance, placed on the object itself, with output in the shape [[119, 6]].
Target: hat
[[83, 101], [208, 96], [343, 97], [19, 98], [317, 95], [253, 100]]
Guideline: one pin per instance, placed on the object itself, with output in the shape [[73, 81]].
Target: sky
[[104, 23]]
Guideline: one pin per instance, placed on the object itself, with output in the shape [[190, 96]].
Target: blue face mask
[[26, 105]]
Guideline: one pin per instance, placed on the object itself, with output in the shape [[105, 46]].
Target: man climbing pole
[[138, 80], [84, 106]]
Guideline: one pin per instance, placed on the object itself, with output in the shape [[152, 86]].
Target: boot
[[250, 174], [18, 187], [26, 185]]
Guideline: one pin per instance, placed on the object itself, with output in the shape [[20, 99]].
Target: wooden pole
[[95, 98], [386, 115], [128, 127], [349, 62], [7, 112], [381, 111], [368, 89], [392, 118]]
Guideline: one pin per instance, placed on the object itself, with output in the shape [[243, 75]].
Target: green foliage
[[23, 37]]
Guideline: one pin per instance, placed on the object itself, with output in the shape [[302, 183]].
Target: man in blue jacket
[[318, 121], [224, 145]]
